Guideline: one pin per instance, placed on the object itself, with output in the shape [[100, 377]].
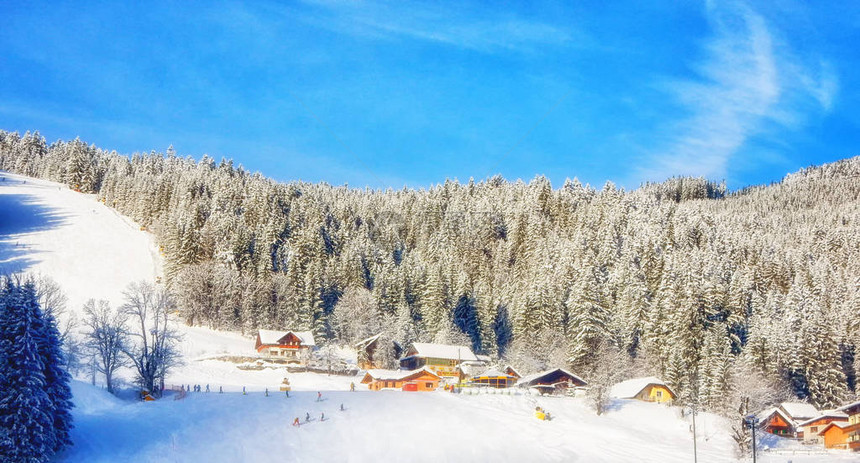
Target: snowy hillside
[[92, 252]]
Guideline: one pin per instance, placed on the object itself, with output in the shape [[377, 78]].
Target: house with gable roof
[[290, 346], [421, 379], [810, 429], [783, 420], [442, 359], [852, 430], [366, 350], [556, 380], [647, 389]]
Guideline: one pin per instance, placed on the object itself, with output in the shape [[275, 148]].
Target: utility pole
[[751, 420], [752, 429], [695, 453]]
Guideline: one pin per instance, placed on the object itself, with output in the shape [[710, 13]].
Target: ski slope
[[85, 246], [93, 252]]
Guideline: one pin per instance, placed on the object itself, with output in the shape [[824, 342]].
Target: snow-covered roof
[[763, 416], [851, 405], [493, 374], [378, 373], [366, 342], [799, 410], [632, 387], [443, 351], [514, 370], [527, 380], [272, 337], [836, 414], [838, 424]]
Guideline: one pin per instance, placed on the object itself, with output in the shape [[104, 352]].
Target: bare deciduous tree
[[152, 340], [106, 338], [53, 301], [610, 366]]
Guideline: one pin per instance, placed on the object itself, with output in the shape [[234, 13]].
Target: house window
[[813, 429], [429, 385], [659, 394]]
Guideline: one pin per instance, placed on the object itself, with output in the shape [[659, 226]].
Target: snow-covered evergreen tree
[[35, 399]]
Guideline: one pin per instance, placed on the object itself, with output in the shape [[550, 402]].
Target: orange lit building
[[422, 379]]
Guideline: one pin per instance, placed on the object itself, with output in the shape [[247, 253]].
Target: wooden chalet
[[647, 389], [422, 379], [835, 435], [366, 349], [811, 428], [777, 422], [442, 359], [552, 381], [852, 430], [493, 378], [286, 345], [783, 420]]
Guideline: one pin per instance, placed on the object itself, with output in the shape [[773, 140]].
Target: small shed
[[647, 389]]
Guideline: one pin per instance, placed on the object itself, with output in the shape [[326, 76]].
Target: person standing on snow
[[319, 396]]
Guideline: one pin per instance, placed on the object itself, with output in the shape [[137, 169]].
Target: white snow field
[[93, 252]]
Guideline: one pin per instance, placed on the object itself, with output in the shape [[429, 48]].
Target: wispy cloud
[[748, 80], [456, 27]]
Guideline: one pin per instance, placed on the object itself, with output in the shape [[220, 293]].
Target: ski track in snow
[[94, 252]]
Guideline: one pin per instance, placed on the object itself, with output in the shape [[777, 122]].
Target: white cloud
[[748, 80], [446, 26]]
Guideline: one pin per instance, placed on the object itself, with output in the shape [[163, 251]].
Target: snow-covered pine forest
[[730, 297]]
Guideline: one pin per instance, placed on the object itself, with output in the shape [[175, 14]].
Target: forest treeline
[[682, 278]]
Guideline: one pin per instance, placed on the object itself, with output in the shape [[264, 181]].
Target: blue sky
[[388, 94]]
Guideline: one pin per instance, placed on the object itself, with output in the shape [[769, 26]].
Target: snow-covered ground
[[85, 246], [93, 252]]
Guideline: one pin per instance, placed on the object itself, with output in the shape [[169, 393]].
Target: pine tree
[[35, 423]]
